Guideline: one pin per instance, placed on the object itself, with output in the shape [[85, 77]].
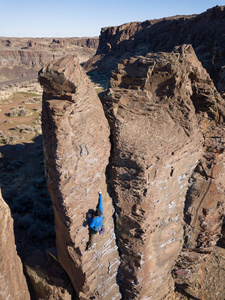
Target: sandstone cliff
[[77, 148], [13, 283]]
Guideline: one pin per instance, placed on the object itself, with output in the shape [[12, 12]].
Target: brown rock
[[205, 32], [154, 107], [77, 148], [23, 57], [13, 283], [49, 280]]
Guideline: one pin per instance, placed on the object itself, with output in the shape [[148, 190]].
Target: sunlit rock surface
[[77, 149]]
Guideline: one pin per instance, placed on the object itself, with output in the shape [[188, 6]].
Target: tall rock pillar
[[156, 146], [77, 149]]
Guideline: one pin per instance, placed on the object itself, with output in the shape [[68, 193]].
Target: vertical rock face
[[13, 283], [48, 279], [77, 148], [153, 108], [203, 31]]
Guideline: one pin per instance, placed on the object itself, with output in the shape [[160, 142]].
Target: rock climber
[[96, 221]]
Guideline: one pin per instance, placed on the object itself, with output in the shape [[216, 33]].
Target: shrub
[[39, 211], [24, 221], [40, 230]]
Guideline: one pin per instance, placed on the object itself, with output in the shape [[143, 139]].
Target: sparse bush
[[22, 203], [25, 221], [39, 211], [20, 111], [12, 193], [40, 230], [39, 182]]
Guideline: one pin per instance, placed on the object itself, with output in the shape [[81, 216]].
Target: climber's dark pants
[[91, 237]]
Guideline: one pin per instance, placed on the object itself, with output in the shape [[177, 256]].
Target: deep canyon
[[139, 114]]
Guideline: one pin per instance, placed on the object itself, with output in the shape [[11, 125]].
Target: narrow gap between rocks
[[110, 190]]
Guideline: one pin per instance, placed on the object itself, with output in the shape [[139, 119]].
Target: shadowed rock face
[[157, 142], [77, 148], [48, 279], [13, 283]]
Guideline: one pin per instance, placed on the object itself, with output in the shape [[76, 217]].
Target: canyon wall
[[23, 57], [13, 283], [205, 32], [77, 149]]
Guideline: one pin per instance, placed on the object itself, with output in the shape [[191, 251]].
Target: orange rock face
[[77, 149], [13, 283]]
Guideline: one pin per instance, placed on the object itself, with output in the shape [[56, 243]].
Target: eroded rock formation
[[164, 112], [77, 149], [13, 283], [156, 145]]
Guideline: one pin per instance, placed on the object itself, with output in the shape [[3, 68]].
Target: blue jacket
[[96, 222]]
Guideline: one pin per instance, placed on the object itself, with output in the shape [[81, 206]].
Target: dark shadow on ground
[[24, 188]]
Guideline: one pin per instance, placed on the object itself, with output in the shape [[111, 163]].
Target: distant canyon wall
[[23, 57], [205, 32]]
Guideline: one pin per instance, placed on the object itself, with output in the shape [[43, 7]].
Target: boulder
[[13, 283], [76, 150]]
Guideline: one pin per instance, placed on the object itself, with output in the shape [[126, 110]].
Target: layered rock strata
[[205, 32], [77, 148], [23, 57], [154, 107], [13, 283]]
